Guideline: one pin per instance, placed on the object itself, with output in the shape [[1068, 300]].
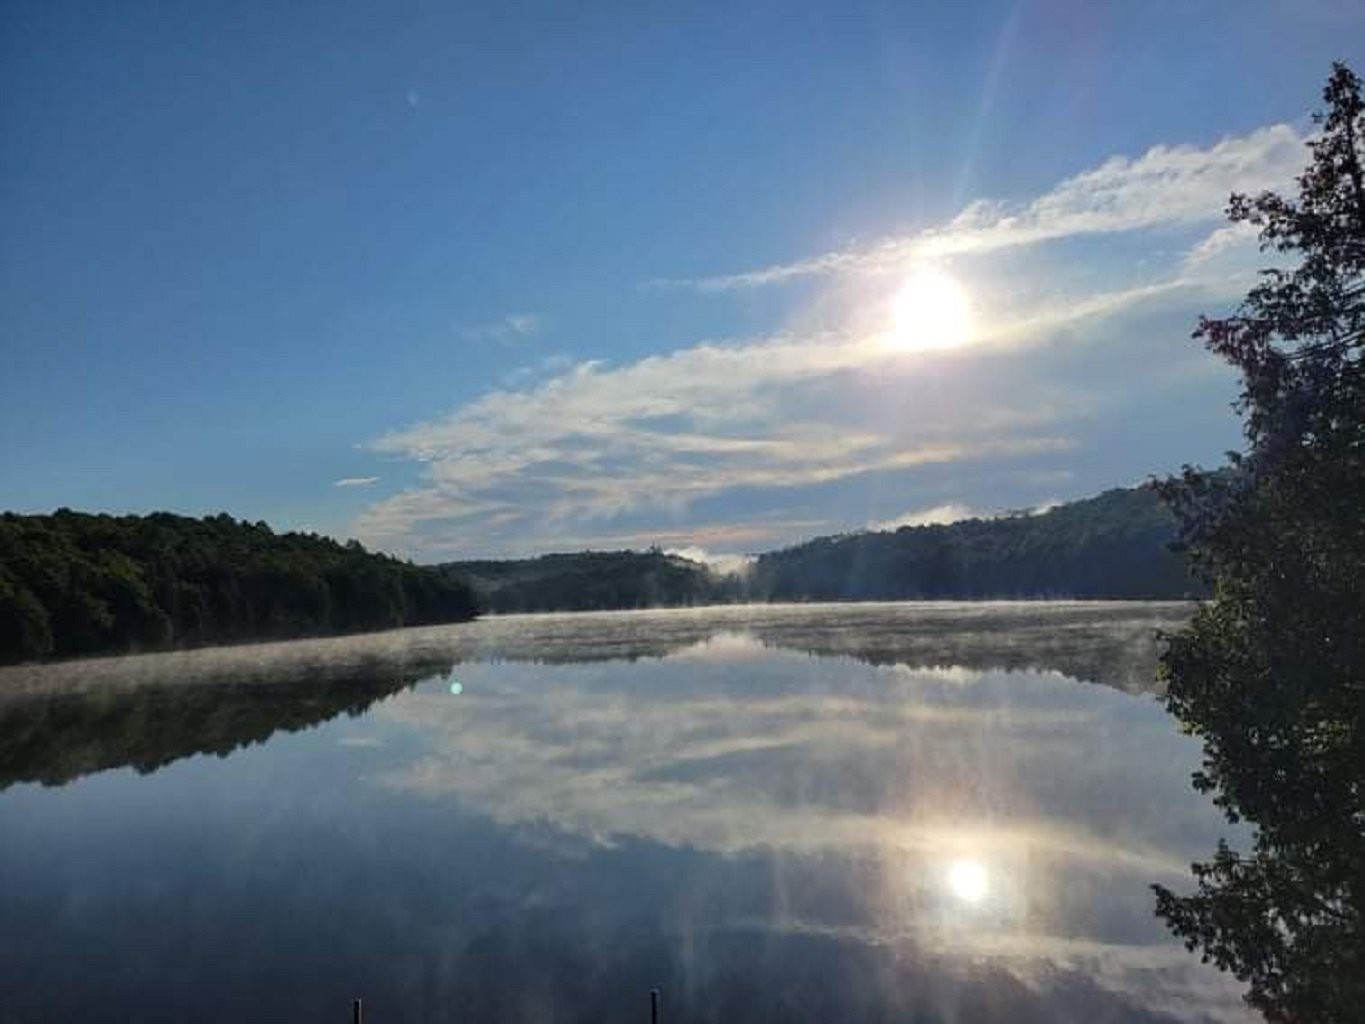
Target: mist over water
[[871, 812]]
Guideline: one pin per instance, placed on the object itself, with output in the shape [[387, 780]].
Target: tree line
[[593, 581], [1115, 545], [73, 583]]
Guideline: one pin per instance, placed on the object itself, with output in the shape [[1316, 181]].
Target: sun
[[932, 310], [967, 880]]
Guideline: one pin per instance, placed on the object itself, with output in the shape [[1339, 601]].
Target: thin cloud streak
[[507, 330], [356, 481], [1167, 185]]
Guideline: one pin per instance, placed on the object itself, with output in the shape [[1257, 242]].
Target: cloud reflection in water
[[758, 809], [1014, 815]]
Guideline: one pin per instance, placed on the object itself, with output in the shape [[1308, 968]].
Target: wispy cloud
[[717, 562], [751, 534], [598, 444], [1167, 185], [507, 330], [542, 369], [593, 454], [1231, 246], [956, 512], [601, 455], [937, 515], [355, 481]]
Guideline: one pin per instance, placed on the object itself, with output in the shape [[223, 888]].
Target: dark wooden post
[[654, 1006], [356, 1012]]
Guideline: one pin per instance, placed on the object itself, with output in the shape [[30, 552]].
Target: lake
[[896, 812]]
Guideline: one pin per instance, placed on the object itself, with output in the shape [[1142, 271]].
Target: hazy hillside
[[1112, 545], [595, 580]]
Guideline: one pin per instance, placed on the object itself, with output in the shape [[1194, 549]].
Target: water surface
[[873, 812]]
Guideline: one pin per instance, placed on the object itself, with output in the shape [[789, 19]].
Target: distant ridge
[[72, 583], [1114, 545], [595, 581]]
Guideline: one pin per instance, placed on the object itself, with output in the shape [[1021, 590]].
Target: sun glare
[[967, 880], [932, 310]]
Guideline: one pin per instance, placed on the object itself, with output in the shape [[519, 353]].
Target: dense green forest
[[1116, 545], [72, 583]]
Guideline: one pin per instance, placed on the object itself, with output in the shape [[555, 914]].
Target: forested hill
[[595, 581], [72, 583], [1115, 545]]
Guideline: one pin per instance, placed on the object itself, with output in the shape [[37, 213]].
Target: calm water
[[877, 812]]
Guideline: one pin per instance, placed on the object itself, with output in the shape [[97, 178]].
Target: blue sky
[[499, 279]]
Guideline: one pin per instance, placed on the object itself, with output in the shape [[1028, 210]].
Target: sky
[[479, 280]]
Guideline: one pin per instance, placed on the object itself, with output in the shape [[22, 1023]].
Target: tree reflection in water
[[930, 820], [59, 734]]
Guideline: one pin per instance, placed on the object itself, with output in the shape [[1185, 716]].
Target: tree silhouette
[[1271, 672]]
